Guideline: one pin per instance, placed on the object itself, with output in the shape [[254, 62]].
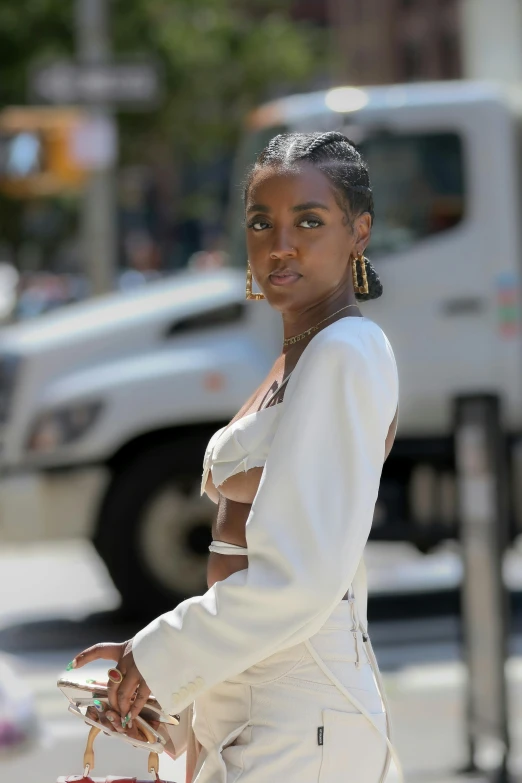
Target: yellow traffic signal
[[37, 152]]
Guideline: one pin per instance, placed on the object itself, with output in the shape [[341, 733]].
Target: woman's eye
[[257, 225], [260, 225], [312, 223]]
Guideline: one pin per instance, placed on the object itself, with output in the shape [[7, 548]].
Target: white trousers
[[296, 716]]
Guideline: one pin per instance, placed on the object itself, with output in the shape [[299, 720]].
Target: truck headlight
[[62, 426]]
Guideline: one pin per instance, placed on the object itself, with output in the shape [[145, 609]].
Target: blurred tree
[[39, 29], [219, 58]]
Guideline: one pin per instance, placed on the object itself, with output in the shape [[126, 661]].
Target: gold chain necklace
[[292, 340]]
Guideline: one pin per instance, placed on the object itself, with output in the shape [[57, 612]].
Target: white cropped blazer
[[307, 528]]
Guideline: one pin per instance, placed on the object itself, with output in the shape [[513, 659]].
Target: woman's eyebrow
[[258, 208], [297, 208], [309, 205]]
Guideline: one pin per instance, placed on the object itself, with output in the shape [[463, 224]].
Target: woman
[[275, 660]]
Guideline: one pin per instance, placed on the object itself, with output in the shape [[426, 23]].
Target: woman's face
[[295, 223]]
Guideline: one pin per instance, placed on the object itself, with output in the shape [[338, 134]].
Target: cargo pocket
[[224, 761], [231, 752], [352, 748]]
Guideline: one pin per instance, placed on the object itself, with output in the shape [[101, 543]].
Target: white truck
[[106, 407]]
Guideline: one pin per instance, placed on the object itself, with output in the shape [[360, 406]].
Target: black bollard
[[481, 465]]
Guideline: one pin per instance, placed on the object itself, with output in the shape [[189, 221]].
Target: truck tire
[[154, 529]]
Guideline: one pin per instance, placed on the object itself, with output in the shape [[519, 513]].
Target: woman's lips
[[286, 279]]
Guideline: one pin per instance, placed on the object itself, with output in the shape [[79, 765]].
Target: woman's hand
[[110, 720], [128, 697]]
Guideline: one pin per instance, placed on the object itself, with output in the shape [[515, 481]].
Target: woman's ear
[[363, 230]]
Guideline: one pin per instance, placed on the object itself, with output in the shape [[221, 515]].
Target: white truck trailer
[[106, 407]]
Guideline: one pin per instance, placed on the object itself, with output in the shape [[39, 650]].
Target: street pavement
[[57, 598]]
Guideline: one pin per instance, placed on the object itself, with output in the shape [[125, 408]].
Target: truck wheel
[[155, 528]]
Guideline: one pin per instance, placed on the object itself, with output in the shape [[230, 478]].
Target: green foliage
[[219, 57], [30, 30]]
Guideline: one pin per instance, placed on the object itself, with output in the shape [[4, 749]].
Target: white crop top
[[242, 445]]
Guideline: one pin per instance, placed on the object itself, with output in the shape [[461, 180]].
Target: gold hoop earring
[[360, 274], [248, 290]]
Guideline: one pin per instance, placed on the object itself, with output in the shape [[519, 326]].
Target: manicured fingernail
[[90, 681], [111, 718], [71, 665], [98, 705], [125, 720]]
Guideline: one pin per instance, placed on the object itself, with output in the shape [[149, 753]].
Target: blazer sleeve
[[306, 531]]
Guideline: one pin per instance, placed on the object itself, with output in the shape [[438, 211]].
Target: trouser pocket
[[231, 752], [223, 763], [352, 749]]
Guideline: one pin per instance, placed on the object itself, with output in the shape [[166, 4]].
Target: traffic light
[[37, 151]]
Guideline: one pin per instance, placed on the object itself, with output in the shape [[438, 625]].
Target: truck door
[[445, 240]]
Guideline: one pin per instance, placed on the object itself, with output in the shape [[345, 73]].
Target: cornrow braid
[[338, 158], [326, 138]]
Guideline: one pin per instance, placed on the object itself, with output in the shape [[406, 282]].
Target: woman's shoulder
[[350, 340], [352, 349], [351, 358]]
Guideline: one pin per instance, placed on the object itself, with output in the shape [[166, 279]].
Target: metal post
[[480, 456], [99, 229]]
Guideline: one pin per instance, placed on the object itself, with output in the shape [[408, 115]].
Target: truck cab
[[105, 411], [106, 407]]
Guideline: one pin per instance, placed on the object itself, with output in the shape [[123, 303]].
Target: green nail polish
[[98, 705], [90, 681], [71, 665]]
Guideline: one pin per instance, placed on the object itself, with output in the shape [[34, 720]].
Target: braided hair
[[338, 159]]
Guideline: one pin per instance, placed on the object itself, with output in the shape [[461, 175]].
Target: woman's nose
[[282, 247]]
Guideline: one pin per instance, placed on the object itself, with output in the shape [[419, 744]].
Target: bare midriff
[[229, 525], [234, 500], [234, 497]]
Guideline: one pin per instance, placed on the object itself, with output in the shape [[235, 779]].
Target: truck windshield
[[418, 184], [418, 187]]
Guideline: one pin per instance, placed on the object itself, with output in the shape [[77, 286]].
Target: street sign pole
[[99, 218], [484, 532]]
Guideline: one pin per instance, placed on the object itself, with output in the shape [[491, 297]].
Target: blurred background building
[[393, 41]]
